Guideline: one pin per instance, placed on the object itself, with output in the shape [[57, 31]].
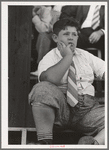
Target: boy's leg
[[49, 106], [96, 119], [100, 137], [44, 117], [91, 123]]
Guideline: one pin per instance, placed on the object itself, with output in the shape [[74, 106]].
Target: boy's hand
[[65, 50]]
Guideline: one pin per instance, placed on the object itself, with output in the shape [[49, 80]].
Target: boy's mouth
[[71, 43], [71, 46]]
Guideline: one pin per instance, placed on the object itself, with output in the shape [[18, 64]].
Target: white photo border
[[4, 73]]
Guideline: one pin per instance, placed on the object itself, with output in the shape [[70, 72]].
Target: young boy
[[49, 98]]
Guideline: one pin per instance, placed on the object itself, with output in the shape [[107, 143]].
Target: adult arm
[[95, 36], [42, 19]]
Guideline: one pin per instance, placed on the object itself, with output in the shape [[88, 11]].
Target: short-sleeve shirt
[[86, 64]]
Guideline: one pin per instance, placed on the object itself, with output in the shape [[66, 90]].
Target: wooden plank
[[19, 40], [20, 129], [24, 136]]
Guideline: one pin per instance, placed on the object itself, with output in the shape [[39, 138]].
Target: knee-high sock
[[44, 119]]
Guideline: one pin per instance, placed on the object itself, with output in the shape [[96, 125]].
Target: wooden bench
[[27, 136]]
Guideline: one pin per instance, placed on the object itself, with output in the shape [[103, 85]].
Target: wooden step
[[27, 136]]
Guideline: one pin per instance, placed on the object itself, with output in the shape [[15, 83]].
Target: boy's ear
[[55, 38]]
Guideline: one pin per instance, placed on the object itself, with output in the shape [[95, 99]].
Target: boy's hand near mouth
[[66, 50]]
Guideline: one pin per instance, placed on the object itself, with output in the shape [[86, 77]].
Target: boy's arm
[[55, 73], [98, 65]]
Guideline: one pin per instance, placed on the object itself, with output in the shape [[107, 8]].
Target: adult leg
[[83, 40], [43, 45]]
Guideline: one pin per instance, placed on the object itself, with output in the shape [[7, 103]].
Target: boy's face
[[68, 36]]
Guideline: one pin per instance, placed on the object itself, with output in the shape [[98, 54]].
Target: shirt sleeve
[[47, 61], [97, 64]]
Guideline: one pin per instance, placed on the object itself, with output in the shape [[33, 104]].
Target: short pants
[[86, 117]]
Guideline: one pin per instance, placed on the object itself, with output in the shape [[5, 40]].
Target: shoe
[[46, 141], [87, 140]]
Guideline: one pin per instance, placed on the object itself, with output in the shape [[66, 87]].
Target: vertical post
[[24, 136], [19, 49]]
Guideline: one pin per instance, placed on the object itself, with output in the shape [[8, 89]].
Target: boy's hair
[[65, 22]]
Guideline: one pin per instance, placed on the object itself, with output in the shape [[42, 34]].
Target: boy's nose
[[70, 36]]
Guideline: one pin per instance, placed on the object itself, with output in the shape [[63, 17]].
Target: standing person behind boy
[[91, 19], [43, 19], [49, 98]]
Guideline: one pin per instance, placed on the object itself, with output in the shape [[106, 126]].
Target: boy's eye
[[66, 33], [74, 34]]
